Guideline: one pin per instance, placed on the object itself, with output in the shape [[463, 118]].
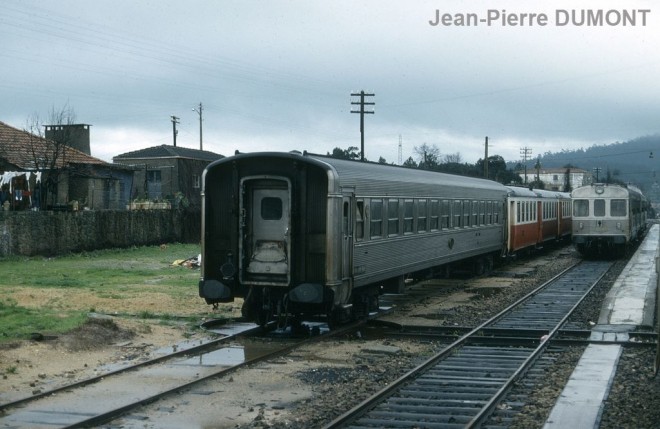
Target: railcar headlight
[[581, 225], [618, 225]]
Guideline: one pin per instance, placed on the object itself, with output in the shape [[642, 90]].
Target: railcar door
[[347, 239], [265, 231]]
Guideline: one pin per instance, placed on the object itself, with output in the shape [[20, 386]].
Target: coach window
[[599, 208], [434, 214], [618, 208], [408, 216], [445, 214], [359, 220], [392, 217], [580, 208], [457, 214], [421, 215], [271, 208], [467, 211], [482, 212], [489, 212], [497, 209], [475, 213], [376, 209], [527, 211], [528, 208]]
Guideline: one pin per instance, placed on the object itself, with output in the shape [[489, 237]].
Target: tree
[[497, 170], [410, 163], [454, 158], [49, 156], [351, 153], [428, 156], [537, 184]]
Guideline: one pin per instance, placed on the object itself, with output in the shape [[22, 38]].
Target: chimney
[[75, 136]]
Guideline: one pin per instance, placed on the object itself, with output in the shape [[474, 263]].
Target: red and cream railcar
[[536, 216]]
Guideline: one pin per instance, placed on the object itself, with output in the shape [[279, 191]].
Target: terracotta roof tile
[[23, 149]]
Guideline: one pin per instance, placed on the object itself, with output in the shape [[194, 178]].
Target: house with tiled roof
[[44, 173], [167, 173], [558, 179]]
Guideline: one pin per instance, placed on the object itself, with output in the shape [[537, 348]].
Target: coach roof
[[383, 179]]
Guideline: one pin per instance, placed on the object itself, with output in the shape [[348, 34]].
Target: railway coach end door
[[265, 224]]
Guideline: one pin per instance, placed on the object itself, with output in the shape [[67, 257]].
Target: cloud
[[277, 75]]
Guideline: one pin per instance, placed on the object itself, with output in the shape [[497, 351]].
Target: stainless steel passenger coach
[[297, 234], [607, 218]]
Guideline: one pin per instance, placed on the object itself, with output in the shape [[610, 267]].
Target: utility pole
[[597, 171], [525, 152], [200, 124], [400, 150], [538, 169], [175, 120], [486, 160], [362, 112]]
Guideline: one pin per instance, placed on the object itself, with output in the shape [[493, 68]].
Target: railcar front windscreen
[[581, 208]]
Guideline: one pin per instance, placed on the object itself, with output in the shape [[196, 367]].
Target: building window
[[153, 176]]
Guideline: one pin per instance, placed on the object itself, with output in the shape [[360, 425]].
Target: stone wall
[[51, 233]]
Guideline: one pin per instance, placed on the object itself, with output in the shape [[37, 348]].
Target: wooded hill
[[636, 161]]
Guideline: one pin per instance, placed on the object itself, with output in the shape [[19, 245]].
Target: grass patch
[[18, 322], [53, 294], [113, 267]]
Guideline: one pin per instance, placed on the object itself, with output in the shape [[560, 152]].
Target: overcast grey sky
[[277, 74]]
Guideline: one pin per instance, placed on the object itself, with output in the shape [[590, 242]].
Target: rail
[[462, 384]]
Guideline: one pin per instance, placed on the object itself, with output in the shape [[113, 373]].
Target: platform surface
[[629, 303]]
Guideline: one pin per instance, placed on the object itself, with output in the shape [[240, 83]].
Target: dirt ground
[[47, 361]]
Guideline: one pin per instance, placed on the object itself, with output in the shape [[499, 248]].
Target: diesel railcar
[[607, 218], [301, 234]]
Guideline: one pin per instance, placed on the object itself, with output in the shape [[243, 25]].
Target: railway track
[[462, 385], [101, 399]]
